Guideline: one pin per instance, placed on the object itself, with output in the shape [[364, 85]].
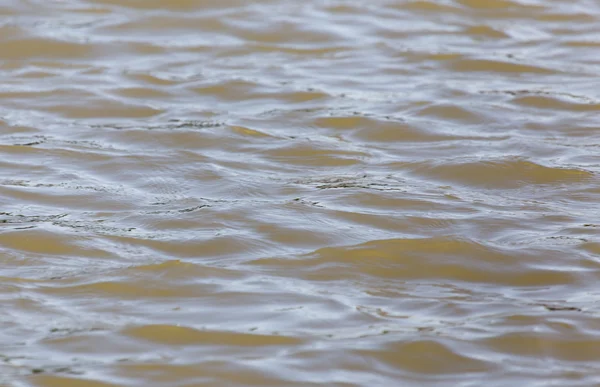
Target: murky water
[[287, 193]]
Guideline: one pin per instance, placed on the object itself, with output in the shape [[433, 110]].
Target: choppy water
[[287, 193]]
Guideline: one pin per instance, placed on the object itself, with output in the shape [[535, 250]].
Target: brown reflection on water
[[290, 193]]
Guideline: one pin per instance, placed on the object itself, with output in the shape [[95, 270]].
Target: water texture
[[294, 193]]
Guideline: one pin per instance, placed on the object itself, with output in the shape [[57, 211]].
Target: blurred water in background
[[284, 193]]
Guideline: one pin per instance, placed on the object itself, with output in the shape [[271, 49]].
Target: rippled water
[[286, 193]]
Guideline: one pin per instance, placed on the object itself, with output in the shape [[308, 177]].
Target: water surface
[[284, 193]]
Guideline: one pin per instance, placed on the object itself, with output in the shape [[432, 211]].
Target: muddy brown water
[[293, 193]]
